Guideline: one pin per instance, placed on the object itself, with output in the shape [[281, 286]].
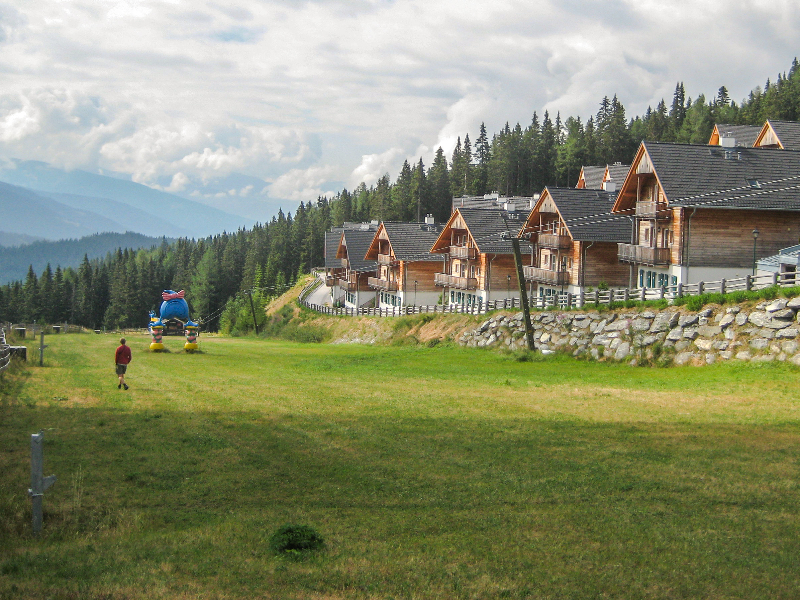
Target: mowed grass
[[431, 473]]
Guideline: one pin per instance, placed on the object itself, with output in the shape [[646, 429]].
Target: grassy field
[[431, 473]]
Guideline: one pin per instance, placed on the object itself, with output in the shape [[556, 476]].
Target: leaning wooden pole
[[523, 294]]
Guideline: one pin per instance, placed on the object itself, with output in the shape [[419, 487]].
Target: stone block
[[682, 345], [786, 314], [759, 319], [789, 332], [741, 318], [690, 333], [709, 330], [733, 310], [759, 343], [721, 345], [686, 320], [706, 312], [794, 303], [763, 358], [726, 321], [789, 347], [704, 344], [726, 355], [743, 355], [682, 358], [675, 334], [641, 324], [795, 360], [711, 358], [622, 351], [777, 305]]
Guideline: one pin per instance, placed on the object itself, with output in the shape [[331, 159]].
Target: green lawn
[[431, 473]]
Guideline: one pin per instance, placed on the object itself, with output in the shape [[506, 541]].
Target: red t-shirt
[[123, 355]]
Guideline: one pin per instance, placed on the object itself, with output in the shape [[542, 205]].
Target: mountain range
[[42, 201]]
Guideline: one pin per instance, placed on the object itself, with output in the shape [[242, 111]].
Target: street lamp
[[755, 237], [415, 292]]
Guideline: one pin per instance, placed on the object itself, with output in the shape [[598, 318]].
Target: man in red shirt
[[122, 357]]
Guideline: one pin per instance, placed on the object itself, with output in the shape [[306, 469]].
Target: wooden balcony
[[384, 259], [461, 283], [463, 252], [330, 281], [646, 209], [644, 255], [554, 241], [349, 285], [382, 284], [546, 276]]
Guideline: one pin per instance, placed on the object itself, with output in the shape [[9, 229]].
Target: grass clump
[[285, 325], [295, 539]]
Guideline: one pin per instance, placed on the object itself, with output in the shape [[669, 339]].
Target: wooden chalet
[[704, 213], [731, 136], [574, 239], [478, 263], [779, 134], [354, 280], [406, 268], [607, 178]]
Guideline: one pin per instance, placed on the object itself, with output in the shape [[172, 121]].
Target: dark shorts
[[121, 369]]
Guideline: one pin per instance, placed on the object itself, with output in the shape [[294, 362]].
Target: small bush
[[295, 539]]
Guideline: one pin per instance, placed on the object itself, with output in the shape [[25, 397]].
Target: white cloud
[[182, 96]]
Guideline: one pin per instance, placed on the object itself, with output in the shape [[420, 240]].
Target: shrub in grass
[[293, 539]]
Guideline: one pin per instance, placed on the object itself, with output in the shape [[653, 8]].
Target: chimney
[[726, 140], [609, 186], [510, 206], [429, 220]]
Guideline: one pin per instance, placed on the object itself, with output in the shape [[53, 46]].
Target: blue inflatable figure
[[174, 313]]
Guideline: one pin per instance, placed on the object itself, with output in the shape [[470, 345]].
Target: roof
[[357, 242], [587, 215], [618, 172], [593, 177], [788, 133], [715, 177], [745, 135], [787, 256], [412, 241], [332, 239], [487, 228]]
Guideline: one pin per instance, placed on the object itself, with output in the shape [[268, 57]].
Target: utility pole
[[39, 483], [523, 294]]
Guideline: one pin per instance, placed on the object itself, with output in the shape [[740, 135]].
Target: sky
[[251, 105]]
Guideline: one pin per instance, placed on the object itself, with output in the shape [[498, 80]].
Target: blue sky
[[249, 105]]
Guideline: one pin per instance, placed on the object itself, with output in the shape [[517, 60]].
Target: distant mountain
[[8, 239], [26, 212], [14, 262], [167, 209]]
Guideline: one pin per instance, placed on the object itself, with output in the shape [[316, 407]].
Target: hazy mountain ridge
[[75, 188], [14, 262]]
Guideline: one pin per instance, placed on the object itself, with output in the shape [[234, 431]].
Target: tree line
[[119, 289]]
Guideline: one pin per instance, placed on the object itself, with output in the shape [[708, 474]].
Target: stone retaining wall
[[768, 331]]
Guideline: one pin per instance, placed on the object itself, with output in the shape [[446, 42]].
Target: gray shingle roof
[[587, 215], [713, 177], [332, 238], [487, 228], [788, 133], [618, 172], [593, 177], [745, 135], [412, 241], [358, 242]]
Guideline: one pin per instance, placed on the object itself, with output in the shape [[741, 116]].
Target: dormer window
[[754, 183]]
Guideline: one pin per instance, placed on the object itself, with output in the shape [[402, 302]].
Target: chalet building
[[731, 136], [406, 268], [354, 280], [478, 262], [704, 213], [333, 266], [607, 178], [785, 263], [779, 134], [574, 239], [494, 201]]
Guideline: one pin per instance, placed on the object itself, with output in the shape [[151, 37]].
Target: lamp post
[[415, 292], [755, 237], [508, 286]]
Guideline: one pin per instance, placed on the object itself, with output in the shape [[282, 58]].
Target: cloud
[[182, 96]]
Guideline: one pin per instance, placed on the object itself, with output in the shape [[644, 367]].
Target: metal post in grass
[[41, 349], [39, 483]]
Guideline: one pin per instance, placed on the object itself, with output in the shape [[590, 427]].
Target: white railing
[[565, 300], [5, 351]]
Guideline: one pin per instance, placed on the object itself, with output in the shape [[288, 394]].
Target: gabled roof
[[332, 239], [353, 246], [744, 135], [591, 177], [616, 172], [716, 177], [485, 227], [409, 241], [585, 213], [786, 134]]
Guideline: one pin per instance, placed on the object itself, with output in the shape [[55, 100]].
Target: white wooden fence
[[564, 300]]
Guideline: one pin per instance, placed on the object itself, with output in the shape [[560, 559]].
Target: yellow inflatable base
[[156, 347], [189, 346]]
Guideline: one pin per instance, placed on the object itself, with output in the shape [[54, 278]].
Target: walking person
[[122, 357]]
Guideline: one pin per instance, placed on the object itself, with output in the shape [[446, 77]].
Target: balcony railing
[[647, 209], [555, 241], [461, 283], [643, 254], [348, 285], [384, 259], [546, 276], [463, 252], [382, 284]]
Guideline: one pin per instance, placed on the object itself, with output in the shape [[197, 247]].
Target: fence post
[[680, 289], [39, 483], [701, 286], [643, 294], [774, 279], [722, 286]]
